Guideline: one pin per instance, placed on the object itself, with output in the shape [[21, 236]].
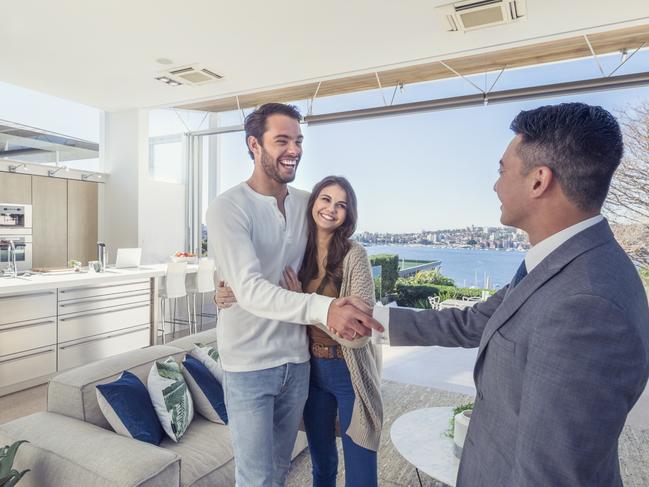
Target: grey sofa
[[72, 444]]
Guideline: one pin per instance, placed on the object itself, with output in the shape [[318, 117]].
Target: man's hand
[[224, 297], [350, 318]]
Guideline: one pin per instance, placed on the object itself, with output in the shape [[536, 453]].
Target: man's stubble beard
[[271, 169]]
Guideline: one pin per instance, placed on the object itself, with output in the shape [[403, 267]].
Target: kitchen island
[[52, 322]]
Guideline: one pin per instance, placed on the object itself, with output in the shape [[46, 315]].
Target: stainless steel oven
[[23, 245], [15, 219]]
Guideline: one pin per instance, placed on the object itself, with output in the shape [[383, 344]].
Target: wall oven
[[23, 245], [16, 226], [15, 219]]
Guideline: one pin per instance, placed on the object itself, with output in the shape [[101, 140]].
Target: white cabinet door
[[74, 327], [121, 287], [24, 366], [19, 337], [26, 307], [80, 352]]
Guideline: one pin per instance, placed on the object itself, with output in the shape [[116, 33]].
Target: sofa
[[72, 443]]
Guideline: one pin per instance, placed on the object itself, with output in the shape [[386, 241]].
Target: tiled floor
[[23, 403]]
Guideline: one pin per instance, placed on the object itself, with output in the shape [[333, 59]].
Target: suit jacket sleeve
[[584, 372], [445, 328]]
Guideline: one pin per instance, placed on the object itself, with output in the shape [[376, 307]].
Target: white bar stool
[[173, 289], [201, 284]]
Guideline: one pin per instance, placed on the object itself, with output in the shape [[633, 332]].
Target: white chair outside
[[472, 299], [434, 302], [202, 283], [174, 289]]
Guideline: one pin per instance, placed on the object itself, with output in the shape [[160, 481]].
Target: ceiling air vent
[[192, 75], [477, 14]]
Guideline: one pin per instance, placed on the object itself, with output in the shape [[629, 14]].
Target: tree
[[628, 200]]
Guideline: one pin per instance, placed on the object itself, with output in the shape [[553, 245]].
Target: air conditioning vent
[[477, 14], [192, 75]]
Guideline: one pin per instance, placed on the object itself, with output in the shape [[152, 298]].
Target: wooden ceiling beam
[[534, 54]]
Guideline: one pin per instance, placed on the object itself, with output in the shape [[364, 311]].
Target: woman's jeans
[[331, 392]]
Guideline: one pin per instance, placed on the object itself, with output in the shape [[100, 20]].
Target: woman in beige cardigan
[[345, 380]]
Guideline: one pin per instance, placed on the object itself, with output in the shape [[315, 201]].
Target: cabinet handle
[[25, 295], [26, 356], [82, 301], [63, 291], [111, 310], [17, 327], [127, 332]]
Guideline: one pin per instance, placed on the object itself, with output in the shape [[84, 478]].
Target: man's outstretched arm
[[240, 267], [445, 328]]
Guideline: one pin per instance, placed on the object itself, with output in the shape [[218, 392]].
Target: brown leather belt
[[326, 351]]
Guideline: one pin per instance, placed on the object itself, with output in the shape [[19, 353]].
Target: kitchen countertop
[[45, 282]]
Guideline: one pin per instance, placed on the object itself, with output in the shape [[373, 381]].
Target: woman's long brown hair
[[339, 244]]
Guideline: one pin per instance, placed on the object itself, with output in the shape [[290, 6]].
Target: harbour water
[[467, 267]]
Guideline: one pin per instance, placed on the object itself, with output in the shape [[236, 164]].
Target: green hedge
[[432, 276], [416, 296], [389, 270], [377, 288]]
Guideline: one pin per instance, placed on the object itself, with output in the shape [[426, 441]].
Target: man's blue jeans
[[331, 392], [264, 411]]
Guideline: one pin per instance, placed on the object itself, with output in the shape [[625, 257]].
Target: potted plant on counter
[[8, 476]]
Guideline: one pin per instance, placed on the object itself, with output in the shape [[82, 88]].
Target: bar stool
[[174, 288], [201, 284]]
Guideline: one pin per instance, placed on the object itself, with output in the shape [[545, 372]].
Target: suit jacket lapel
[[590, 238]]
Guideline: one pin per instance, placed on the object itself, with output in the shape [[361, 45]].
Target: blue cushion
[[127, 407], [206, 390]]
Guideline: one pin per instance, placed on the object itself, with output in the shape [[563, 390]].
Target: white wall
[[137, 211], [162, 226]]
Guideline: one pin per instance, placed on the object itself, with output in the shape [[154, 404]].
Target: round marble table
[[420, 437]]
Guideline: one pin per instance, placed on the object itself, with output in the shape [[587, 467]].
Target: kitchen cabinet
[[80, 352], [15, 188], [50, 222], [27, 339], [44, 331], [99, 321], [82, 220]]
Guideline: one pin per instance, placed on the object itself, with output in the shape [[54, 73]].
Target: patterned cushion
[[128, 409], [171, 398], [209, 357]]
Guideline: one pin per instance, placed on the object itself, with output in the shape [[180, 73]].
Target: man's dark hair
[[581, 144], [255, 123]]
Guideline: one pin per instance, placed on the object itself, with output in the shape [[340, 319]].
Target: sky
[[427, 171]]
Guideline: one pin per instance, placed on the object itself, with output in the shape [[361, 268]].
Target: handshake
[[350, 318]]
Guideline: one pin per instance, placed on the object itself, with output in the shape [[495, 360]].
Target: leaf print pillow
[[171, 398], [209, 357]]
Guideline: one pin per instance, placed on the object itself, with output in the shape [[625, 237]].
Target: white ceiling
[[103, 53]]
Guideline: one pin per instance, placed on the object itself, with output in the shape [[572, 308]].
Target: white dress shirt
[[533, 258], [252, 243]]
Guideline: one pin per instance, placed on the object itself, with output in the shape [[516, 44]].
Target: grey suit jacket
[[562, 359]]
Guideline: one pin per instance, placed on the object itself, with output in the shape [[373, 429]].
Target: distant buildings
[[503, 238]]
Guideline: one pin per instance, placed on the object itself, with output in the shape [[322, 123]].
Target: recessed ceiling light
[[163, 60], [168, 81]]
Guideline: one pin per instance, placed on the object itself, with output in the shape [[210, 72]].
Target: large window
[[167, 159]]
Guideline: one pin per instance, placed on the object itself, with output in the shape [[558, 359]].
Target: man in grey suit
[[564, 349]]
